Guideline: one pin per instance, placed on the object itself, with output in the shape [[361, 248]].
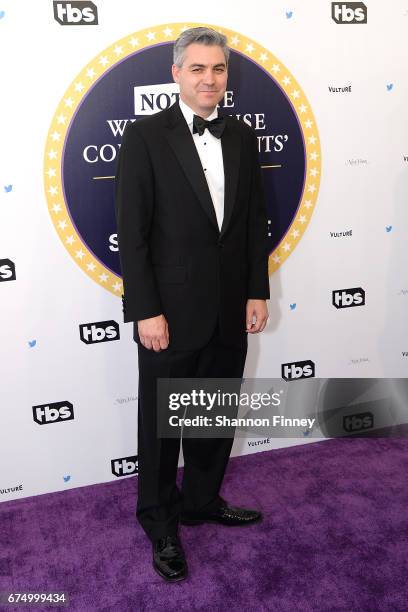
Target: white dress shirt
[[210, 152]]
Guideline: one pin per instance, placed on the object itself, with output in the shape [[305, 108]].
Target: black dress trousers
[[160, 501]]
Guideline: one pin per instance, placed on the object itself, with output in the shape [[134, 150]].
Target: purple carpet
[[334, 537]]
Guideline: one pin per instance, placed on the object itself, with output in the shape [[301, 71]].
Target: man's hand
[[154, 333], [260, 310]]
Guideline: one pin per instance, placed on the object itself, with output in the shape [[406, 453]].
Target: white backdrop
[[364, 188]]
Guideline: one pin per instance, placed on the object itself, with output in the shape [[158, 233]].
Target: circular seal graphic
[[132, 78]]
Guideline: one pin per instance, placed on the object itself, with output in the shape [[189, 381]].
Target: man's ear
[[175, 72]]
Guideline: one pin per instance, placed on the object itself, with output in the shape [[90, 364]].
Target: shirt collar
[[189, 114]]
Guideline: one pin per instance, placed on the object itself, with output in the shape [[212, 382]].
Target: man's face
[[202, 77]]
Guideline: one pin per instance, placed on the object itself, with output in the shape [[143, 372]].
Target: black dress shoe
[[224, 515], [168, 559]]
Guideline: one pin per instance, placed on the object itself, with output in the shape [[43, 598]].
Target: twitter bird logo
[[292, 306], [66, 478], [8, 188], [32, 343], [2, 13], [289, 14], [388, 228], [390, 86]]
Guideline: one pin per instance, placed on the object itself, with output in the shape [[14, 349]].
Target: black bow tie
[[216, 126]]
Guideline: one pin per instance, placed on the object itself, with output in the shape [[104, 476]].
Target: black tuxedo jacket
[[174, 259]]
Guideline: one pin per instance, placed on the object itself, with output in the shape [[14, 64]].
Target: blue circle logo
[[132, 78]]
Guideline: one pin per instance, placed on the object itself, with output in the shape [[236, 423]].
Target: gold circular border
[[80, 86]]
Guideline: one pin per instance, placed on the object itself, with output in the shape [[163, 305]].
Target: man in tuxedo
[[192, 234]]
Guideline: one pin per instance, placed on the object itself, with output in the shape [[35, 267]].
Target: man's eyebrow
[[196, 65]]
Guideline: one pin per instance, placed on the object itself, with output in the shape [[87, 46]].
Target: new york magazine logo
[[348, 298], [75, 12], [56, 412], [7, 270], [100, 331]]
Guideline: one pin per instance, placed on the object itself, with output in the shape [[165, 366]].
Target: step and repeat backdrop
[[324, 85]]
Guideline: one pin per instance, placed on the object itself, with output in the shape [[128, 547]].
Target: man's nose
[[209, 77]]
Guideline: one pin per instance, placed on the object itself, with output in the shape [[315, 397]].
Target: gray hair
[[201, 35]]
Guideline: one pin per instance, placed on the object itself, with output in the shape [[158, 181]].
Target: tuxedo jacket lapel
[[231, 153], [182, 143]]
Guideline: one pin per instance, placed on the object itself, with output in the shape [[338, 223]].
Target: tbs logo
[[53, 413], [124, 466], [298, 370], [349, 12], [358, 422], [75, 13], [346, 298], [7, 270], [102, 331]]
